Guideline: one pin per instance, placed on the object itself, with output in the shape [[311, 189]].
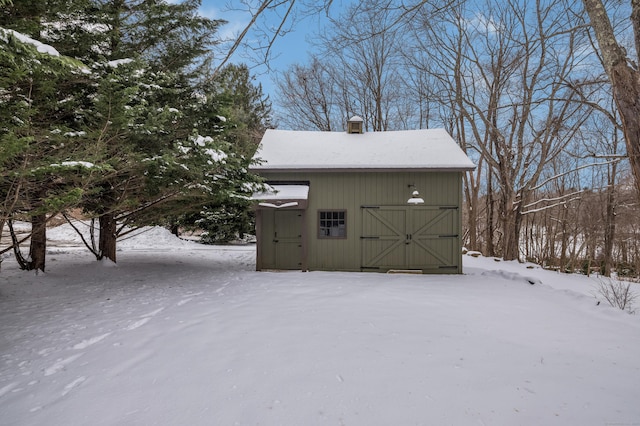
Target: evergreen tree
[[41, 136], [237, 112], [243, 104], [139, 109], [122, 130]]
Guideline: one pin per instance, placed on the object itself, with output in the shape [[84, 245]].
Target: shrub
[[618, 293]]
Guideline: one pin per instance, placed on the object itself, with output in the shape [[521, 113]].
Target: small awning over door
[[283, 197]]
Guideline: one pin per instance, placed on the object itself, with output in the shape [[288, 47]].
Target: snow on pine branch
[[202, 140], [116, 63], [40, 47], [216, 155], [73, 164]]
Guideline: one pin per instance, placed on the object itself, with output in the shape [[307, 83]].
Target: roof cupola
[[354, 125]]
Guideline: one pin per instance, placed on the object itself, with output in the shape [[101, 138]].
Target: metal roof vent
[[354, 125]]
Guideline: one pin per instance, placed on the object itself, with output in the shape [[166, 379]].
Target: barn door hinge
[[369, 207], [369, 238], [448, 236], [448, 207]]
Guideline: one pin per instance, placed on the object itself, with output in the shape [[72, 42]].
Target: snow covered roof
[[427, 149], [283, 192], [281, 196]]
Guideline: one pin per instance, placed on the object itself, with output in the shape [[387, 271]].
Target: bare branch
[[84, 241], [265, 4], [550, 206], [542, 200], [584, 166]]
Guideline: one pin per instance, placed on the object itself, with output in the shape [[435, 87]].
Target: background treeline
[[130, 125], [522, 87], [110, 108]]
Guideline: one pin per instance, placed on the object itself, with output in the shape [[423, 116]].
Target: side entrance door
[[287, 239], [410, 237]]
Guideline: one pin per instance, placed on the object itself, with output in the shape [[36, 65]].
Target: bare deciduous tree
[[503, 70], [516, 85], [289, 12], [623, 73], [357, 71], [308, 97]]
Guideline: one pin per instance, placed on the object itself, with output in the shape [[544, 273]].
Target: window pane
[[332, 224]]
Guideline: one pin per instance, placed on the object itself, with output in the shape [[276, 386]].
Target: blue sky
[[291, 48]]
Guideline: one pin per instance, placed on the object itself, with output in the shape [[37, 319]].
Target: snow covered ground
[[184, 334]]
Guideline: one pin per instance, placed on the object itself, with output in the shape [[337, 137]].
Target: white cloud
[[482, 22], [237, 20]]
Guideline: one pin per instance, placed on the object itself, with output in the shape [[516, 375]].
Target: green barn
[[360, 201]]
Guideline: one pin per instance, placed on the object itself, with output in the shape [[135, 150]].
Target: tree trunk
[[472, 211], [38, 246], [624, 251], [626, 83], [1, 231], [624, 79], [511, 222], [175, 229], [490, 250], [107, 241], [472, 225], [511, 237], [610, 224], [565, 241]]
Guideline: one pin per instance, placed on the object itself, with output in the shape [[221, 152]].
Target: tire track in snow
[[143, 319], [61, 364], [77, 382], [88, 342], [220, 290], [8, 388], [188, 298]]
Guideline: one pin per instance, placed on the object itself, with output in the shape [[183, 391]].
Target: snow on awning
[[283, 196]]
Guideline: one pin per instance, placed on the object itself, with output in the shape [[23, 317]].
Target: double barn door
[[410, 237]]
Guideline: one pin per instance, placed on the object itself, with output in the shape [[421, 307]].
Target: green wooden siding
[[351, 190]]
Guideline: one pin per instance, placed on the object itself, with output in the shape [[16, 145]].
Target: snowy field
[[184, 334]]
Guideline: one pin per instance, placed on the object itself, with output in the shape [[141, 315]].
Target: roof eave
[[361, 169]]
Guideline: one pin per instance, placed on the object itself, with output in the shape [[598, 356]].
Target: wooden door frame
[[406, 236], [260, 236]]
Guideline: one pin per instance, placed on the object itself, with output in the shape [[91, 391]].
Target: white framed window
[[332, 224]]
